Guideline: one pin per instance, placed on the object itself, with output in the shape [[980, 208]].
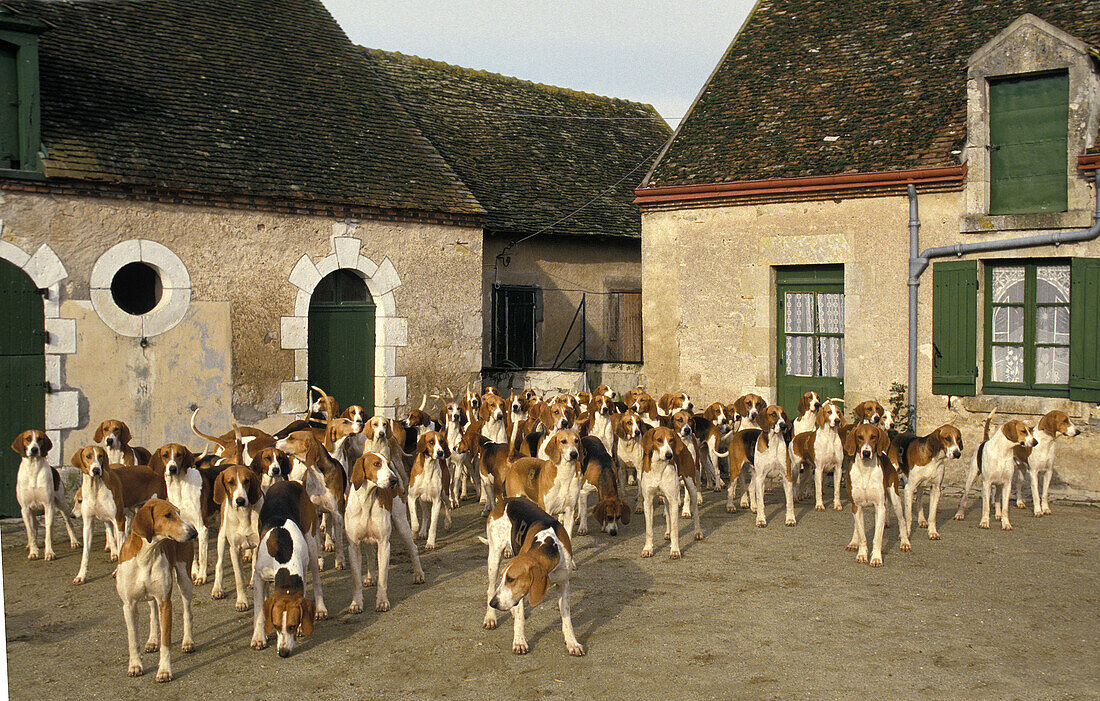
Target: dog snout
[[96, 471], [666, 454], [284, 653], [865, 453], [191, 533], [172, 468], [495, 602], [33, 451], [241, 501], [573, 454], [956, 453]]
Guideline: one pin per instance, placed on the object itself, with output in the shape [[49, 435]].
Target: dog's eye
[[169, 515]]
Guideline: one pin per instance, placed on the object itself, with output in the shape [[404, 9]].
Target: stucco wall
[[564, 268], [240, 264], [709, 304]]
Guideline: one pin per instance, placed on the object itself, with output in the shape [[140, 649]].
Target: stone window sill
[[989, 223]]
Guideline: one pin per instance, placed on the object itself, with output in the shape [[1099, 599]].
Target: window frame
[[1029, 387], [22, 33], [499, 349]]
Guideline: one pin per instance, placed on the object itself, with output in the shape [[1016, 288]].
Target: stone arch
[[47, 271], [390, 333]]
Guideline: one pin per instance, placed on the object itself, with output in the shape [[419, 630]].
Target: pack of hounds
[[337, 480]]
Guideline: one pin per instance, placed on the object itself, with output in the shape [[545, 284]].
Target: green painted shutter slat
[[1084, 320], [1028, 133], [954, 327], [9, 107]]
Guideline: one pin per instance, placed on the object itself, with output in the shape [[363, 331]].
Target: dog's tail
[[483, 539], [985, 436], [200, 434]]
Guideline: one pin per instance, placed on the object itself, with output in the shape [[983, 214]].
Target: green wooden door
[[341, 339], [810, 333], [22, 372]]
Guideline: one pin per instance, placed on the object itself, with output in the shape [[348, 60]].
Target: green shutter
[[954, 327], [9, 107], [1028, 132], [1084, 332]]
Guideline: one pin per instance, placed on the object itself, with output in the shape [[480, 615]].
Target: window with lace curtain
[[1027, 328]]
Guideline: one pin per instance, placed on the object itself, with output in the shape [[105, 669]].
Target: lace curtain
[[1052, 287], [813, 355]]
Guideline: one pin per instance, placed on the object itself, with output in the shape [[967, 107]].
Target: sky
[[655, 51]]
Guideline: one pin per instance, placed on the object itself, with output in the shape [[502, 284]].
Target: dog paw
[[819, 507], [838, 507], [582, 531], [418, 578], [984, 524], [674, 554], [638, 509], [429, 546], [135, 669], [489, 623], [668, 537], [520, 647], [576, 650], [151, 647], [922, 524], [258, 644], [382, 605], [906, 547], [78, 579], [647, 553], [368, 581], [217, 594], [853, 546], [876, 561], [698, 535], [164, 675], [321, 613], [933, 535], [73, 545], [32, 555], [1006, 526], [730, 508], [114, 557], [1038, 513], [861, 557], [790, 521], [355, 608], [686, 513], [330, 548], [187, 647], [50, 556], [1020, 504], [242, 605], [199, 579], [339, 565], [960, 516], [320, 564], [761, 523]]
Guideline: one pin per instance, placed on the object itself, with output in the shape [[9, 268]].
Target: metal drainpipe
[[919, 263]]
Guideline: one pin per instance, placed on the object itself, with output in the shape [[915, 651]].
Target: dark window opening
[[136, 288], [514, 311]]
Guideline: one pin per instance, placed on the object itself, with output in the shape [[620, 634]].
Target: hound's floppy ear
[[17, 444], [156, 463], [99, 432], [77, 460], [765, 420], [446, 448], [358, 473], [220, 490], [269, 615], [143, 523], [820, 420], [599, 512], [624, 512], [254, 492], [126, 437], [257, 463], [882, 442], [552, 450], [48, 444], [188, 457], [538, 586], [422, 443], [850, 442], [306, 613]]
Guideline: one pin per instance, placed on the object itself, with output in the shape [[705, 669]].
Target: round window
[[136, 288]]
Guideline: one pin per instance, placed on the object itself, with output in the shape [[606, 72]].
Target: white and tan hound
[[871, 482], [820, 449], [115, 436], [807, 412], [191, 490], [324, 479], [111, 493], [430, 486], [672, 402], [554, 479], [995, 461], [288, 549], [374, 511], [766, 452], [38, 487], [922, 461], [599, 477], [544, 557], [665, 462], [238, 494], [1040, 459], [156, 554], [627, 451]]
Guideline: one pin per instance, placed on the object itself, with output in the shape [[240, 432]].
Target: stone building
[[775, 225], [555, 170], [215, 204]]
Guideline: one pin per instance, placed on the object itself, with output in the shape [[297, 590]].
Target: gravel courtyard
[[748, 613]]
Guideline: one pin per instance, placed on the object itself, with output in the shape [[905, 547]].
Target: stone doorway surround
[[47, 271], [391, 331]]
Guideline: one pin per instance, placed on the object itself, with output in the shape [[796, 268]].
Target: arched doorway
[[22, 371], [341, 339]]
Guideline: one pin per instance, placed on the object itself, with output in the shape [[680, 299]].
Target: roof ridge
[[500, 77]]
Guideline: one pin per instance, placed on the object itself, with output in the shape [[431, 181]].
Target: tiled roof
[[253, 97], [529, 172], [823, 87]]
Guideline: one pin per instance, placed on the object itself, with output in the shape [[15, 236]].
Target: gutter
[[807, 184], [918, 263]]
